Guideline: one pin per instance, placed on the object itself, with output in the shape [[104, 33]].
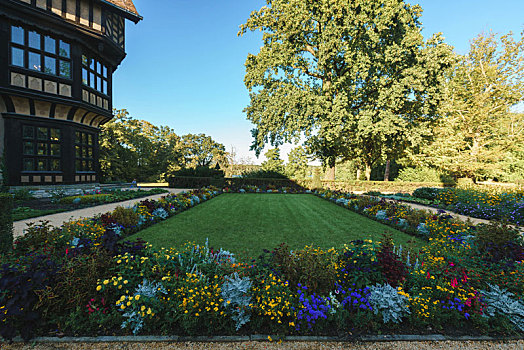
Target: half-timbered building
[[57, 58]]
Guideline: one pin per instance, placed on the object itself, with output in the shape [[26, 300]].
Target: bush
[[263, 174], [201, 171], [430, 193], [189, 182], [126, 217], [6, 222], [421, 174], [91, 198], [497, 241]]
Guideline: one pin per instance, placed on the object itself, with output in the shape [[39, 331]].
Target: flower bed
[[82, 279]]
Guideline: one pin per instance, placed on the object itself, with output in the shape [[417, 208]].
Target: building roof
[[126, 5]]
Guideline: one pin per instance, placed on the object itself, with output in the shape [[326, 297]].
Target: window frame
[[85, 148], [48, 157], [42, 53], [90, 66]]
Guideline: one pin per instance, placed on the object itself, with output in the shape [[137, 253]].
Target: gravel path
[[411, 345], [59, 218]]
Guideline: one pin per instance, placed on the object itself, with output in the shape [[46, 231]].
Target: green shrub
[[430, 193], [190, 182], [88, 199], [6, 222], [125, 216], [263, 174], [23, 194], [498, 241], [201, 171], [422, 174]]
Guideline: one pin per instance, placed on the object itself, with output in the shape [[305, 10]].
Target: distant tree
[[480, 129], [355, 78], [273, 161], [297, 165], [202, 150]]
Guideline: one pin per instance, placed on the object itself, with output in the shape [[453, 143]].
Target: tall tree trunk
[[359, 174], [330, 173], [386, 172], [368, 172]]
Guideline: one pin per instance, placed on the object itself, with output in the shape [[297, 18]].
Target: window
[[84, 151], [42, 53], [41, 148], [94, 74]]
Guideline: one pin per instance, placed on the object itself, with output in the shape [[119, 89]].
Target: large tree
[[273, 161], [481, 130], [202, 150], [297, 165], [353, 77]]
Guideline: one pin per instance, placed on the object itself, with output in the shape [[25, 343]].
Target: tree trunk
[[359, 174], [386, 172], [330, 173], [368, 172]]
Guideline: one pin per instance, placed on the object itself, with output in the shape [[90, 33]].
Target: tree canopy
[[351, 77]]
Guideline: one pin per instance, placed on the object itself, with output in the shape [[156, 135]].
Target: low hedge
[[6, 222], [86, 199], [262, 183]]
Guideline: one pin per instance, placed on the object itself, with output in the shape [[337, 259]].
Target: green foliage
[[423, 174], [6, 222], [199, 171], [311, 267], [297, 165], [498, 241], [480, 129], [126, 217], [502, 302], [264, 174], [355, 78], [22, 194], [430, 193], [86, 199], [273, 162], [136, 149]]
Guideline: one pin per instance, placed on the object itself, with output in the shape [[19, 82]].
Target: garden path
[[59, 218]]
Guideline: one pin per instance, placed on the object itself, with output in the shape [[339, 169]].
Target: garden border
[[266, 338]]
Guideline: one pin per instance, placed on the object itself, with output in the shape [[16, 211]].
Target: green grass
[[247, 223]]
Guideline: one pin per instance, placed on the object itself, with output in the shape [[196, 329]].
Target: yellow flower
[[98, 288], [137, 296], [106, 281]]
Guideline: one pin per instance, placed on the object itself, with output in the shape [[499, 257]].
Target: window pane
[[92, 64], [99, 83], [50, 65], [55, 134], [78, 137], [78, 152], [49, 44], [41, 133], [55, 165], [99, 67], [34, 40], [90, 153], [41, 165], [92, 80], [104, 89], [84, 152], [90, 139], [84, 165], [42, 149], [84, 77], [55, 149], [34, 61], [65, 69], [85, 60], [90, 165], [17, 35], [29, 132], [78, 165], [29, 148], [64, 50], [29, 164], [17, 57], [104, 71]]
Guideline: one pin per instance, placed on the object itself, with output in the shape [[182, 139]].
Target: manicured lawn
[[247, 223]]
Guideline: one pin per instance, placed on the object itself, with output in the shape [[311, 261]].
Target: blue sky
[[185, 63]]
